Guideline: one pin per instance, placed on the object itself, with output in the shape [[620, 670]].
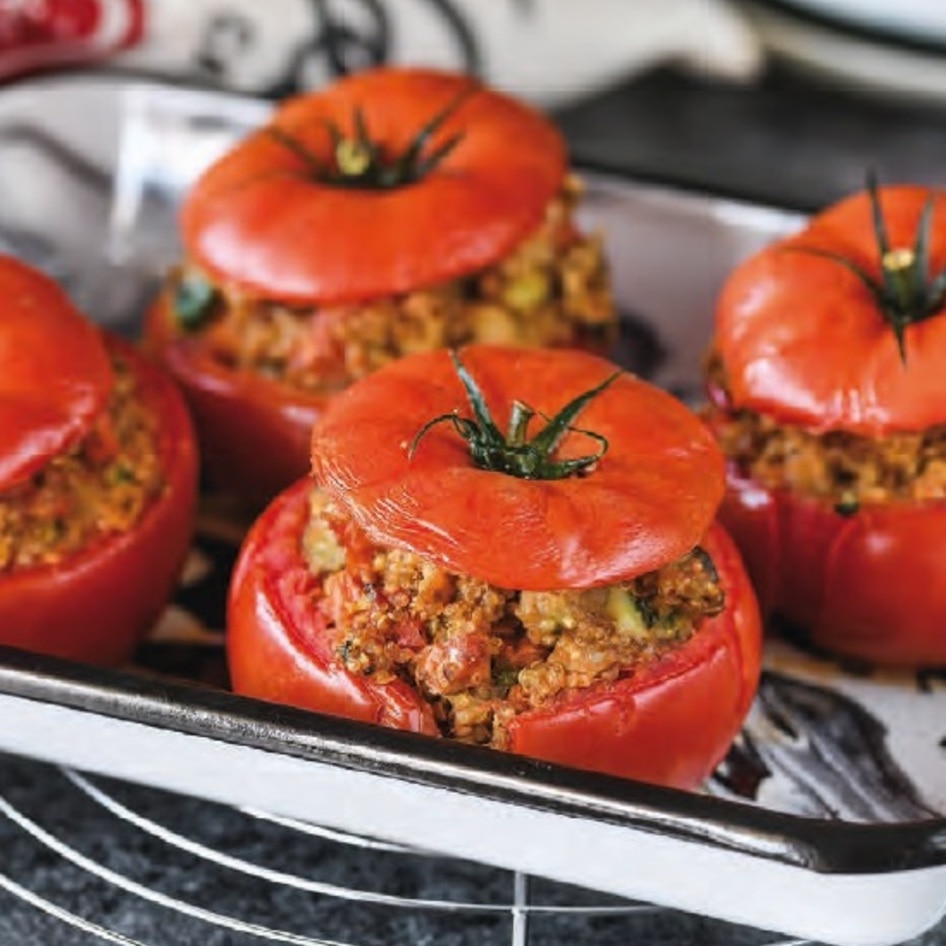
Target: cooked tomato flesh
[[552, 290], [100, 487], [479, 654]]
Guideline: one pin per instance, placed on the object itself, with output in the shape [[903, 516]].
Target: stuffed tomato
[[829, 401], [398, 210], [98, 478], [514, 548]]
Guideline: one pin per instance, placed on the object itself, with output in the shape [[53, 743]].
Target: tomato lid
[[647, 501], [263, 220], [55, 376], [801, 334]]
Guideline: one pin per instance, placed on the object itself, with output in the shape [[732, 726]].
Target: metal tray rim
[[817, 844]]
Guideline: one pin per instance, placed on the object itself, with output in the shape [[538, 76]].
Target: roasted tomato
[[563, 594], [98, 470], [829, 401], [397, 211]]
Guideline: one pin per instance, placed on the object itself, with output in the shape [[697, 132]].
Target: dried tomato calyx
[[515, 454], [360, 162], [906, 292]]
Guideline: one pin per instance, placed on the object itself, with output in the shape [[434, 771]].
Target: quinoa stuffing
[[101, 486], [844, 469], [481, 654], [552, 290]]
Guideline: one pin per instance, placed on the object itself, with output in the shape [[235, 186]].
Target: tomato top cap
[[55, 375], [648, 498], [309, 209], [842, 327]]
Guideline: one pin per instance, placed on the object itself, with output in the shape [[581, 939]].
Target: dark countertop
[[784, 141], [43, 799]]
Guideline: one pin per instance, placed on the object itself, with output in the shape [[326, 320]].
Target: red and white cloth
[[37, 34], [545, 50]]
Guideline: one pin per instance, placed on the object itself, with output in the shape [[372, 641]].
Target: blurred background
[[787, 101]]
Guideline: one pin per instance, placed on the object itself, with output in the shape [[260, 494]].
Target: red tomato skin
[[804, 342], [867, 586], [254, 432], [670, 724], [649, 500], [43, 336], [260, 220], [275, 636], [95, 605]]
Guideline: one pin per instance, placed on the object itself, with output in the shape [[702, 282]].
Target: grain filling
[[553, 290], [100, 487], [845, 469], [478, 654]]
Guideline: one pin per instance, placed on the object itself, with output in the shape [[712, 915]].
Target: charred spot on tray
[[206, 665], [743, 770], [834, 746], [799, 636], [206, 596], [638, 347], [927, 677]]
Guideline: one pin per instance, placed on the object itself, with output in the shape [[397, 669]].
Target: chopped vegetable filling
[[481, 654], [101, 486], [552, 290], [842, 468]]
